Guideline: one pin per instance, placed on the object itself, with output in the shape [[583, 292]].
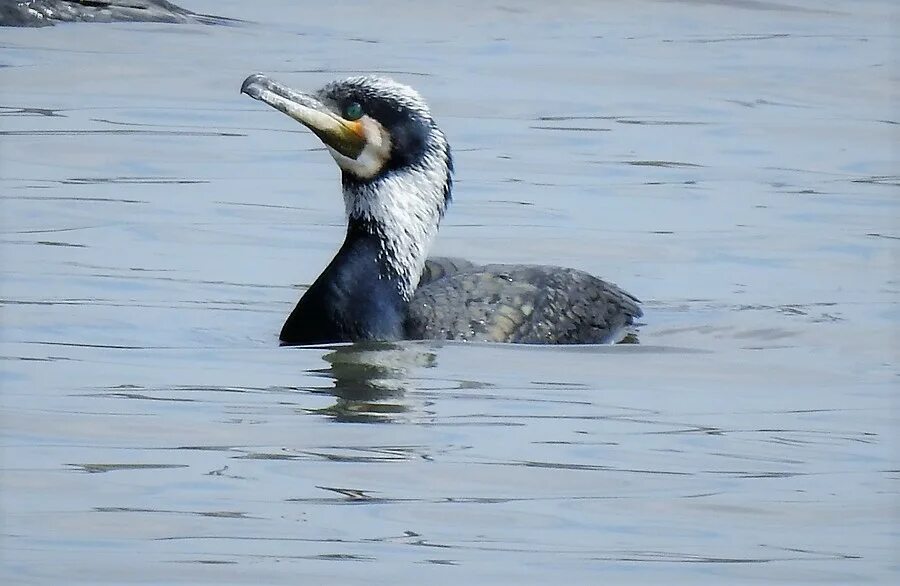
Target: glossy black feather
[[356, 298]]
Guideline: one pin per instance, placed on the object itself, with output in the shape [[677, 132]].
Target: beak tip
[[253, 84]]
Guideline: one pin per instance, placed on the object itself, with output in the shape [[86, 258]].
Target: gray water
[[734, 165]]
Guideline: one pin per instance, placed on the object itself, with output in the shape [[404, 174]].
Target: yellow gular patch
[[375, 153]]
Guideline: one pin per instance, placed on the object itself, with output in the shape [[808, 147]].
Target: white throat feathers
[[406, 206]]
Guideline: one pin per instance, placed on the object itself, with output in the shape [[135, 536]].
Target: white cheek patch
[[374, 155]]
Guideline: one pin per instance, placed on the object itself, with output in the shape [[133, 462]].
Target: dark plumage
[[396, 176], [527, 304], [32, 13]]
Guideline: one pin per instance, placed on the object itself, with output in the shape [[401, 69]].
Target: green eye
[[353, 111]]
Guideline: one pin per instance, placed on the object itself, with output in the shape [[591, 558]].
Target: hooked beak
[[345, 136]]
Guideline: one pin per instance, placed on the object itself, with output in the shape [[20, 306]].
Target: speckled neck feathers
[[404, 206]]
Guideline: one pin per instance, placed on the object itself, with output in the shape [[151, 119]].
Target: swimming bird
[[36, 13], [396, 174]]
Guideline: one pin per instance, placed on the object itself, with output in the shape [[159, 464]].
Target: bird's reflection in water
[[371, 379]]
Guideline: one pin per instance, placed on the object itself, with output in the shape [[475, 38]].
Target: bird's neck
[[403, 212], [364, 293], [357, 297]]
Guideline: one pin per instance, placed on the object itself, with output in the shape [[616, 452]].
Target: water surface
[[732, 164]]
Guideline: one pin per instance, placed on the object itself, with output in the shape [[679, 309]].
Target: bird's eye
[[353, 111]]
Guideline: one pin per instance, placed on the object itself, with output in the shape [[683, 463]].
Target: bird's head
[[395, 162], [371, 125]]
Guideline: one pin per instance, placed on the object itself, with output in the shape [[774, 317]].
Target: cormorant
[[396, 171], [48, 12]]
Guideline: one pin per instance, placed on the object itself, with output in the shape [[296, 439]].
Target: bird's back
[[527, 304]]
